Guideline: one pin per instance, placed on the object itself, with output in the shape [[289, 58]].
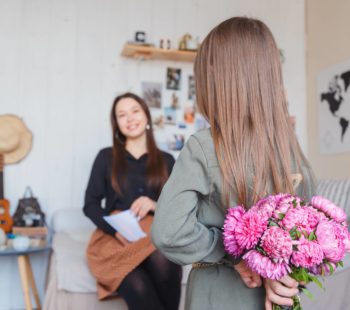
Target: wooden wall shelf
[[147, 53]]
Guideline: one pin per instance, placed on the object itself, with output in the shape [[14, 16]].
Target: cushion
[[72, 271], [69, 220], [337, 191]]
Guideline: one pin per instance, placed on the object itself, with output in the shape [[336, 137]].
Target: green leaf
[[305, 275], [331, 268], [312, 236], [281, 216], [272, 223], [316, 280], [307, 293], [261, 250], [341, 264]]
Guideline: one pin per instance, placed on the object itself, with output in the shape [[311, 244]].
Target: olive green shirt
[[188, 224]]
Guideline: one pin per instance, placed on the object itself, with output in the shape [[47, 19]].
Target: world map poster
[[333, 92]]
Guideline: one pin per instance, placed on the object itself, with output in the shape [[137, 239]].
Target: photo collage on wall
[[173, 108]]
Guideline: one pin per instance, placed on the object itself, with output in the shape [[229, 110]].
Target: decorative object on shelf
[[15, 139], [41, 231], [165, 44], [188, 43], [6, 221], [173, 78], [21, 243], [140, 36], [28, 213], [3, 239]]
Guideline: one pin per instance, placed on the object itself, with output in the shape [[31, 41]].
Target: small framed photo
[[189, 114], [173, 78], [170, 116], [176, 143], [191, 88], [152, 94]]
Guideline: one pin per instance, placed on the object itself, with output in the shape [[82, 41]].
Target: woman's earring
[[117, 137], [148, 127]]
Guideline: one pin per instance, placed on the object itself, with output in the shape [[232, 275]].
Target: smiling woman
[[130, 175]]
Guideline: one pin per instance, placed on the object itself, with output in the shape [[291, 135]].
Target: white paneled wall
[[60, 68]]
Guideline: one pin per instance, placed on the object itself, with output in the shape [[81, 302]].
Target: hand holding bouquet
[[281, 234]]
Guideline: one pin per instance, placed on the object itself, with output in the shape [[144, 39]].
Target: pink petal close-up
[[328, 207], [264, 266]]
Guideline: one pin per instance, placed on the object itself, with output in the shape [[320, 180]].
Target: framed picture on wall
[[191, 88], [152, 94], [173, 78], [170, 116]]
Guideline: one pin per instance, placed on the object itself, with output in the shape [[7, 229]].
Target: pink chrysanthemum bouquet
[[281, 234]]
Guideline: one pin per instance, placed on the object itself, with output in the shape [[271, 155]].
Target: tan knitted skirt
[[110, 260]]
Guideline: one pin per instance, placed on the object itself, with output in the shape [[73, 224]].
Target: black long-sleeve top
[[100, 187]]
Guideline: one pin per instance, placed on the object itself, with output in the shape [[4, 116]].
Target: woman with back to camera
[[249, 151], [130, 175]]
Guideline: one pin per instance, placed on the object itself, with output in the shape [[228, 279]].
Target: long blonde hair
[[240, 92]]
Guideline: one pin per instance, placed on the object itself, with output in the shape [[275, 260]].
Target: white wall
[[323, 54], [60, 68]]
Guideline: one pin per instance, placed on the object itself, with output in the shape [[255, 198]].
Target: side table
[[26, 273]]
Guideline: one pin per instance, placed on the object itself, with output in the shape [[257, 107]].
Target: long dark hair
[[157, 172], [240, 92]]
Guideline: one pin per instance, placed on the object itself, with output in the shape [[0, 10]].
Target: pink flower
[[317, 270], [265, 207], [345, 235], [249, 230], [264, 266], [330, 236], [230, 242], [321, 216], [277, 244], [309, 253], [284, 202], [302, 218], [329, 208]]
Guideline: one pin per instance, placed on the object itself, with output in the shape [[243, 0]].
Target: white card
[[126, 224]]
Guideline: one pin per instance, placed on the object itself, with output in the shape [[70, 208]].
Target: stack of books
[[38, 235]]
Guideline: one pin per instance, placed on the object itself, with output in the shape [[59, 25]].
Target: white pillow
[[71, 220]]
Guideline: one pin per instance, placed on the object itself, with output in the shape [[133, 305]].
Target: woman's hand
[[280, 292], [142, 206], [250, 278]]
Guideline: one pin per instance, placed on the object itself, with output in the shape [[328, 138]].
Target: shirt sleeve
[[307, 187], [95, 192], [176, 230]]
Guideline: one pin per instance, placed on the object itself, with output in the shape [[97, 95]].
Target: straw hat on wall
[[15, 139]]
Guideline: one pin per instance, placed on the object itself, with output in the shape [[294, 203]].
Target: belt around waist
[[206, 265]]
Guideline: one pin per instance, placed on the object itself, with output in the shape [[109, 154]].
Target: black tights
[[153, 285]]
